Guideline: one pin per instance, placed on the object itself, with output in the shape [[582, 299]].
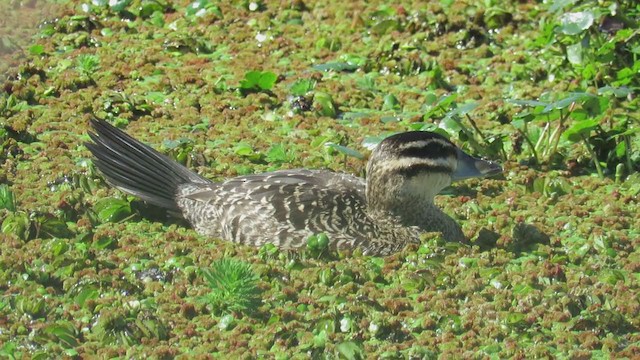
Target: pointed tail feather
[[136, 168]]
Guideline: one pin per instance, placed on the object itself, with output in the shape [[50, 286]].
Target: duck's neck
[[410, 202]]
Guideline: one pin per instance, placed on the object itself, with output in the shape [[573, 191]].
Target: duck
[[379, 215]]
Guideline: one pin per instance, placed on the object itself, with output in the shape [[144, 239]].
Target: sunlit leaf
[[576, 22]]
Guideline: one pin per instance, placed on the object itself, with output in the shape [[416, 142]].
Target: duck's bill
[[470, 167]]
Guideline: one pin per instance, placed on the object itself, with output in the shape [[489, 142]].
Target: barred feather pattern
[[286, 207], [381, 215]]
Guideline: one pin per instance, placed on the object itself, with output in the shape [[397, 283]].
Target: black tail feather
[[136, 168]]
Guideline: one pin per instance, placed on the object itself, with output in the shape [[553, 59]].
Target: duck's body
[[380, 215]]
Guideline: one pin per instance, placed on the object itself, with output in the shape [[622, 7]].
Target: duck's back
[[282, 207]]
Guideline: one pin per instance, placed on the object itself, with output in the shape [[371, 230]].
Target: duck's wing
[[282, 207]]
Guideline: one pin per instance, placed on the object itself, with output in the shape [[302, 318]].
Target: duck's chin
[[425, 186]]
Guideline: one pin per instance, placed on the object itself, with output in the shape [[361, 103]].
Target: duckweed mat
[[230, 88]]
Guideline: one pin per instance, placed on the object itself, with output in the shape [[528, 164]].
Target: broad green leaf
[[345, 150], [350, 350], [576, 22], [574, 54], [580, 129], [267, 80], [7, 200], [325, 103], [112, 210]]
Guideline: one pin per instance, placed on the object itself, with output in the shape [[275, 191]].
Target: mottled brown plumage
[[380, 216]]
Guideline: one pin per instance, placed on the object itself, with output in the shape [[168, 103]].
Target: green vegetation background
[[548, 89]]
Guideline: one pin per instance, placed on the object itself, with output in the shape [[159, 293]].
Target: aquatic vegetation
[[258, 81], [234, 287], [549, 89], [7, 199]]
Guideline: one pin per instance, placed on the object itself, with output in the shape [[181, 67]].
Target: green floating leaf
[[580, 129], [324, 103], [278, 154], [200, 8], [112, 210], [336, 66], [7, 200], [391, 103], [53, 226], [576, 22], [345, 150], [622, 91], [36, 50], [64, 333], [574, 54], [17, 224], [350, 350], [267, 80], [258, 80], [302, 87]]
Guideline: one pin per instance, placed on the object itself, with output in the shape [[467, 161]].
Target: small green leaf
[[267, 80], [574, 54], [350, 350], [576, 132], [576, 22], [278, 154], [345, 150], [7, 200], [391, 103], [324, 104], [17, 224], [65, 333], [302, 87], [258, 80], [243, 149], [36, 50], [112, 210], [105, 242]]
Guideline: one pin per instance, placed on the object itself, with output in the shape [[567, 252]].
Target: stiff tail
[[136, 168]]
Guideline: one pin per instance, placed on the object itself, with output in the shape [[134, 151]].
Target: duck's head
[[415, 166]]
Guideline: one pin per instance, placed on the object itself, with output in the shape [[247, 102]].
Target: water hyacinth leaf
[[104, 242], [574, 54], [243, 149], [564, 103], [17, 224], [200, 8], [350, 350], [576, 22], [384, 26], [89, 292], [7, 200], [391, 103], [277, 154], [36, 50], [119, 5], [620, 92], [258, 80], [370, 142], [302, 87], [267, 80], [324, 104], [53, 226], [112, 210], [336, 66], [527, 103], [250, 80], [580, 129], [65, 334], [345, 150]]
